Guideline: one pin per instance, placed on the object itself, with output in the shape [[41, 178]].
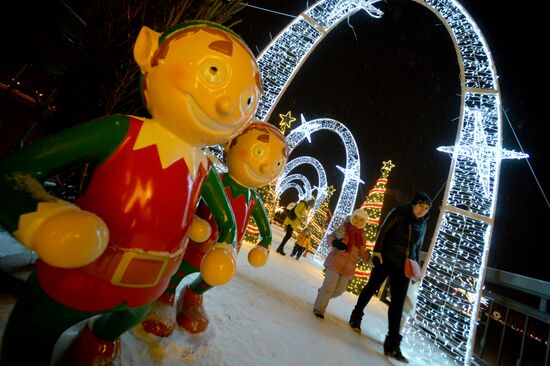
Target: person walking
[[292, 221], [400, 237], [348, 245]]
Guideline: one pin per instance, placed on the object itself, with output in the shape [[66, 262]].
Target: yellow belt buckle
[[129, 256]]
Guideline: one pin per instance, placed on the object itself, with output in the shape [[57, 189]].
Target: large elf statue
[[113, 252], [254, 158]]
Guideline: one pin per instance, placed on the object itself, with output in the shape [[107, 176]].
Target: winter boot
[[161, 320], [355, 321], [318, 314], [280, 250], [190, 313], [88, 350], [392, 348]]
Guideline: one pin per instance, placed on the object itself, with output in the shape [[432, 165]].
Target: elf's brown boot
[[191, 314], [161, 320], [88, 350]]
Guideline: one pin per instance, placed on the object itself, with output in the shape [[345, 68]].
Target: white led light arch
[[350, 184], [458, 251], [288, 185], [321, 174], [305, 191]]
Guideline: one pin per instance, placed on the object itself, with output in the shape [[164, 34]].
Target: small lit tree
[[270, 201], [320, 220], [373, 206]]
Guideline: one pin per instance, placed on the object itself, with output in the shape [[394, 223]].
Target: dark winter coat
[[393, 237]]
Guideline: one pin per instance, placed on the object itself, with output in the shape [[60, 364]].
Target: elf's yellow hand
[[258, 255], [72, 239], [219, 264]]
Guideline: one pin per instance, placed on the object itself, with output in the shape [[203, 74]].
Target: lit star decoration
[[331, 190], [386, 168], [475, 145], [458, 251], [286, 121]]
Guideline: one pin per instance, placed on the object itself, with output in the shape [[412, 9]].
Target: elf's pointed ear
[[146, 44]]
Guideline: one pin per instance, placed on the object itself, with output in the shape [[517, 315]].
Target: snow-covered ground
[[264, 317]]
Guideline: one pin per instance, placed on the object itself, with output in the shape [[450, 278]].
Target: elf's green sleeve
[[262, 221], [213, 193], [22, 173]]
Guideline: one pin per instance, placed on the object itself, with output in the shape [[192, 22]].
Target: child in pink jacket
[[348, 245]]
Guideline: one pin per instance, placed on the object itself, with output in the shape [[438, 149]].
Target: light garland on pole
[[458, 251]]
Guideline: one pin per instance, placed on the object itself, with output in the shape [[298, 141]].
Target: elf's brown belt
[[130, 267]]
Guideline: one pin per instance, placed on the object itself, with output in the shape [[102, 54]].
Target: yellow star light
[[388, 165], [286, 121]]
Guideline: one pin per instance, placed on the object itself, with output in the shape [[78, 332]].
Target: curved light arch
[[288, 185], [458, 251], [321, 174], [306, 189], [350, 185]]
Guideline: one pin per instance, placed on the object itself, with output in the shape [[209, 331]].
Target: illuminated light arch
[[321, 174], [289, 185], [459, 247], [350, 185], [305, 190]]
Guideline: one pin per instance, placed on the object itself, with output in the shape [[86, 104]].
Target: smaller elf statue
[[254, 158]]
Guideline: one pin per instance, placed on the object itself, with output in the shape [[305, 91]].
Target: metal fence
[[514, 322]]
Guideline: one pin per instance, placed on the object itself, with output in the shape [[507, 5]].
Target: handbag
[[412, 268]]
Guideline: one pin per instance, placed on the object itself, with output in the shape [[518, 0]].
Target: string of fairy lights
[[459, 247]]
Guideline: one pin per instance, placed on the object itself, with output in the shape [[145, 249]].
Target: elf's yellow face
[[256, 157], [202, 85]]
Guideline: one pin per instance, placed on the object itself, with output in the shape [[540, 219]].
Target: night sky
[[394, 82]]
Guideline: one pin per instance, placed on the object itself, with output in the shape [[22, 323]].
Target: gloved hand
[[337, 243], [376, 258]]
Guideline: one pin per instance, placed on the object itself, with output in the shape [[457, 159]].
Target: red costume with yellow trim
[[147, 228]]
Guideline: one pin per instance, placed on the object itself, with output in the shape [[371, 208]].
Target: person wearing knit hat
[[400, 237], [348, 244]]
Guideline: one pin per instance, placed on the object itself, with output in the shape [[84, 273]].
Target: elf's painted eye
[[259, 150], [214, 71]]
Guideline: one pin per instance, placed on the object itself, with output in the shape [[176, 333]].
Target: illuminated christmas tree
[[373, 205], [320, 220], [269, 199]]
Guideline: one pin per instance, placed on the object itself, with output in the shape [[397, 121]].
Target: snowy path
[[264, 317]]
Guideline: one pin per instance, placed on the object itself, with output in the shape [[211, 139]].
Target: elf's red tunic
[[242, 205], [148, 211], [242, 209]]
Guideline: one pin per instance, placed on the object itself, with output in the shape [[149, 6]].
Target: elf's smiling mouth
[[199, 115]]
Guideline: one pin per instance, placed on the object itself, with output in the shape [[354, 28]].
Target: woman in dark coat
[[401, 234]]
